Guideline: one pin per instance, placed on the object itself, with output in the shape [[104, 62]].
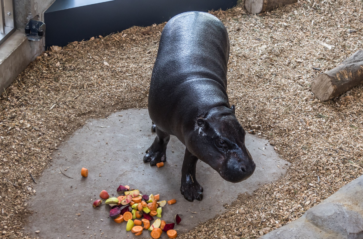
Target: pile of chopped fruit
[[138, 211]]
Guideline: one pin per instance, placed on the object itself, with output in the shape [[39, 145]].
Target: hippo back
[[189, 74]]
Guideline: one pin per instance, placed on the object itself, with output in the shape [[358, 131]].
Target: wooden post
[[339, 80], [258, 6]]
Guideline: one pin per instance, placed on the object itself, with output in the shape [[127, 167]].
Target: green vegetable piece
[[129, 225], [162, 203], [151, 198], [133, 193], [156, 224], [159, 210], [112, 200], [133, 214], [146, 210]]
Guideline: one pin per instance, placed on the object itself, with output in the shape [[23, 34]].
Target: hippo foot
[[154, 156], [192, 191]]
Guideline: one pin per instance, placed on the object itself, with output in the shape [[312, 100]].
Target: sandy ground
[[270, 73]]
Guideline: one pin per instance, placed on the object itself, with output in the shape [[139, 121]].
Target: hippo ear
[[233, 109]]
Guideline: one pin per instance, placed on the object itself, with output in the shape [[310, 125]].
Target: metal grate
[[7, 22]]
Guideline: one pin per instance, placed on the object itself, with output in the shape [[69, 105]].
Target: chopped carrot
[[159, 165], [156, 233], [137, 199], [153, 213], [132, 203], [154, 205], [157, 197], [150, 206], [162, 225], [138, 234], [84, 172], [127, 216], [119, 219], [172, 201], [137, 229], [139, 207], [144, 204], [146, 223], [138, 214], [137, 222], [172, 233]]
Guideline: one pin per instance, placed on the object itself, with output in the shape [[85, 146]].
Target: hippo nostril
[[243, 169]]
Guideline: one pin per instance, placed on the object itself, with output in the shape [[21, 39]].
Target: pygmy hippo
[[188, 99]]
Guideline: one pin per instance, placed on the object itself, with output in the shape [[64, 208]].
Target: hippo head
[[219, 140]]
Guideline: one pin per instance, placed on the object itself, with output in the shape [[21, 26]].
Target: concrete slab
[[112, 149]]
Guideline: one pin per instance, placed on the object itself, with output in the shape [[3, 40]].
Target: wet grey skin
[[188, 99]]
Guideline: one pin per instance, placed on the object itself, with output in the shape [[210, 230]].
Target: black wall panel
[[74, 20]]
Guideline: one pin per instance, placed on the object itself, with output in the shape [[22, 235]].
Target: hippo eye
[[221, 143]]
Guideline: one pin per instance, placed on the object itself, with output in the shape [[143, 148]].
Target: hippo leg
[[157, 151], [190, 188]]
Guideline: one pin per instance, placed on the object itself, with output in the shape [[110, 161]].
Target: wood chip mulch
[[274, 58]]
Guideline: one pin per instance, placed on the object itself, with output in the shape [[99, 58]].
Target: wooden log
[[258, 6], [339, 80]]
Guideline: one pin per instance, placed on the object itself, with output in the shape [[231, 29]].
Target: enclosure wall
[[68, 22]]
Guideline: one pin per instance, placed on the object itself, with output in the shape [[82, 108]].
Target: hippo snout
[[235, 170]]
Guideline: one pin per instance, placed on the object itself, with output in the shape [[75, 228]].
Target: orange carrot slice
[[132, 203], [162, 225], [84, 172], [146, 223], [153, 213], [157, 197], [156, 233], [137, 199], [154, 205], [137, 229], [144, 204], [172, 201], [172, 233], [127, 216], [139, 207], [159, 165], [137, 222], [138, 214], [138, 234], [119, 219]]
